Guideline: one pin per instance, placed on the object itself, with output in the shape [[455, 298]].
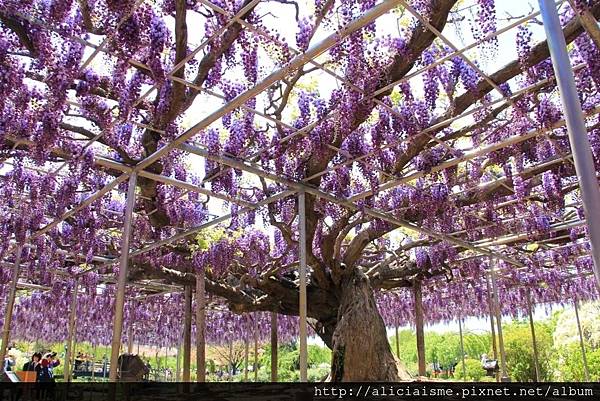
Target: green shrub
[[519, 351], [474, 370]]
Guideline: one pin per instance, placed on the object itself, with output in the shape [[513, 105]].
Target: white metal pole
[[130, 339], [586, 369], [504, 371], [397, 343], [68, 371], [576, 128], [255, 367], [246, 352], [302, 301], [178, 364], [10, 304], [490, 299], [200, 327], [187, 333], [536, 361], [122, 280], [462, 349]]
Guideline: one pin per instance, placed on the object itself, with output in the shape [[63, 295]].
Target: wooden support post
[[419, 323], [589, 23], [122, 280], [187, 333], [586, 369], [462, 349], [274, 347], [68, 369], [536, 361], [10, 304], [200, 327]]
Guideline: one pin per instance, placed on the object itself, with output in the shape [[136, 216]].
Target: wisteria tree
[[75, 84]]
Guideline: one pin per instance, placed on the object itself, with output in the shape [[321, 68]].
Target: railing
[[91, 369], [161, 375], [99, 370]]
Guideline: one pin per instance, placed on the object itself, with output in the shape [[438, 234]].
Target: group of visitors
[[438, 370], [83, 362], [42, 364]]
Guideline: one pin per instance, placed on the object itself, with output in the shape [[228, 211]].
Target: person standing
[[33, 365], [48, 364], [46, 375], [9, 362]]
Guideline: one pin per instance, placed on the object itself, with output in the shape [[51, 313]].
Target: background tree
[[568, 361], [519, 351]]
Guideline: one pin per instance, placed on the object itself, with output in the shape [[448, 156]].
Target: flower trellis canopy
[[428, 138]]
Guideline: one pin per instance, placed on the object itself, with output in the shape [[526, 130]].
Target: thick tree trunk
[[361, 350]]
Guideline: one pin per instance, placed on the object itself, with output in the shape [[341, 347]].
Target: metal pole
[[397, 343], [130, 338], [504, 376], [576, 128], [200, 327], [246, 352], [178, 364], [302, 302], [462, 349], [157, 374], [491, 308], [255, 367], [492, 325], [536, 362], [586, 369], [70, 341], [93, 362], [274, 341], [419, 323], [10, 304], [122, 280], [187, 333]]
